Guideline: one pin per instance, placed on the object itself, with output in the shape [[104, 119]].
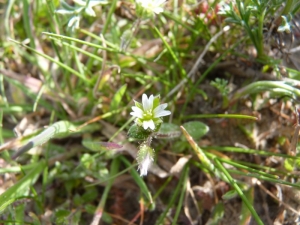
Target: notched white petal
[[144, 101], [152, 125], [159, 2], [158, 10], [159, 111], [150, 101], [137, 112], [160, 108], [162, 113], [148, 124], [147, 102]]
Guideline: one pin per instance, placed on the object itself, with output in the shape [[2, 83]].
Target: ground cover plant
[[149, 112]]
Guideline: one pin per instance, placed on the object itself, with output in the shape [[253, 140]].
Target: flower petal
[[148, 123], [137, 112], [158, 10], [162, 113], [147, 103], [159, 2], [143, 170], [145, 158], [144, 101], [159, 111], [145, 165], [162, 106]]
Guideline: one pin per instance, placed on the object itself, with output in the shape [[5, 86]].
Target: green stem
[[178, 63], [260, 41], [261, 86], [173, 198], [107, 23], [183, 192], [239, 191], [229, 116], [287, 8], [99, 211]]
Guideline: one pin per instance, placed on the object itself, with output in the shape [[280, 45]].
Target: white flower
[[151, 6], [145, 158], [149, 112], [92, 3]]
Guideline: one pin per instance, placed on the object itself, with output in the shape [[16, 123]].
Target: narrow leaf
[[21, 187], [101, 146], [168, 131], [116, 101]]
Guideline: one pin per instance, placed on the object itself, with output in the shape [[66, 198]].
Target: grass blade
[[239, 191], [22, 186]]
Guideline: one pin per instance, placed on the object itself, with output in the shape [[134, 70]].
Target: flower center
[[147, 115], [150, 5]]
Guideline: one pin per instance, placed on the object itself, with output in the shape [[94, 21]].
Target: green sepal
[[144, 152], [138, 132], [156, 101], [139, 105]]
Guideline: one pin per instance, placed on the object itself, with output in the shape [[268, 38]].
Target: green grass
[[64, 86]]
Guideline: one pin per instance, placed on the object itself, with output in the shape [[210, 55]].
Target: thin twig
[[293, 146], [199, 60], [95, 90], [277, 199]]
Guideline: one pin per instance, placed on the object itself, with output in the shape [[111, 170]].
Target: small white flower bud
[[145, 158]]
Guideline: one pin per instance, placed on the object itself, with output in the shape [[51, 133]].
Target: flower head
[[145, 158], [150, 6], [149, 113]]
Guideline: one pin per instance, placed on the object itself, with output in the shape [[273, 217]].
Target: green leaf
[[61, 216], [115, 103], [217, 214], [20, 211], [19, 189], [245, 216], [89, 208], [126, 40], [138, 180], [100, 146], [56, 130], [230, 195], [289, 164], [168, 131], [196, 129], [107, 218], [90, 194]]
